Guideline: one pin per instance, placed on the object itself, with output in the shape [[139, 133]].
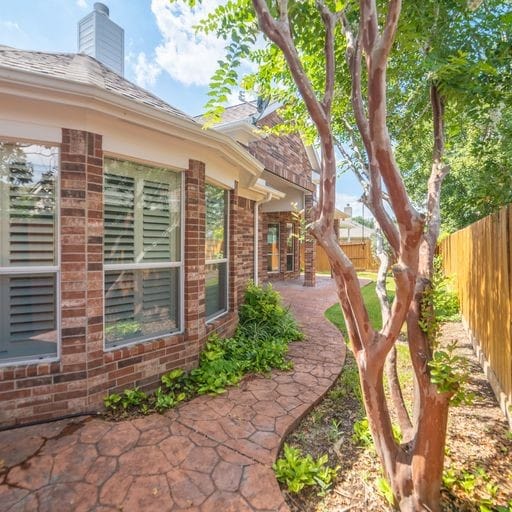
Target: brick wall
[[283, 155], [281, 218], [85, 373], [309, 246]]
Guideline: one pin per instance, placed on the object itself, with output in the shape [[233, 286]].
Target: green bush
[[260, 344], [297, 471]]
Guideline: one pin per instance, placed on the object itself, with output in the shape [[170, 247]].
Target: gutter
[[94, 97]]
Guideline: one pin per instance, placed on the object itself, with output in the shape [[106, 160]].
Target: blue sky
[[162, 52]]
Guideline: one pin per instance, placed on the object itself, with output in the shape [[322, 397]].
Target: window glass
[[216, 218], [273, 248], [142, 253], [28, 256], [216, 285], [290, 247], [142, 213], [140, 304]]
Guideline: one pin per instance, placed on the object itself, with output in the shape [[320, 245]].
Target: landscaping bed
[[478, 464]]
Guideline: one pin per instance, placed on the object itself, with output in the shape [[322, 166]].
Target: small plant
[[128, 400], [449, 373], [449, 477], [164, 401], [384, 489], [297, 471], [362, 435], [334, 431], [112, 402]]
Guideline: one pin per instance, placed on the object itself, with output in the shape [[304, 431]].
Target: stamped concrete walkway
[[210, 454]]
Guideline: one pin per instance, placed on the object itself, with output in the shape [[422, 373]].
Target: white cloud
[[146, 72], [10, 25], [188, 57], [82, 4]]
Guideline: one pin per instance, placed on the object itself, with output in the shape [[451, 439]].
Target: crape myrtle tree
[[329, 63]]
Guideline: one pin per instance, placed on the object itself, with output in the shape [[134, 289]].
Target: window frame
[[290, 245], [54, 269], [278, 270], [225, 260], [140, 266]]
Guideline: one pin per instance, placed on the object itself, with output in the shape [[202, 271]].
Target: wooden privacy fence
[[360, 253], [480, 259]]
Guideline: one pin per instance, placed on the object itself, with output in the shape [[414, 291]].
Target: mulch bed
[[478, 452]]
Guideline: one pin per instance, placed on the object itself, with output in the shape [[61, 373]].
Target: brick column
[[235, 260], [81, 228], [194, 265], [309, 246]]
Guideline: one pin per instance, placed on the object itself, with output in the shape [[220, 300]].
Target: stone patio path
[[210, 454]]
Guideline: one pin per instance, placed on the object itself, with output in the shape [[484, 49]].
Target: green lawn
[[334, 314]]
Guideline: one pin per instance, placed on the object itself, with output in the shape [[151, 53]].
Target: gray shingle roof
[[235, 113], [82, 69]]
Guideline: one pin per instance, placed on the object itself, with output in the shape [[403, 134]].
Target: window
[[216, 252], [290, 247], [28, 254], [273, 248], [142, 252]]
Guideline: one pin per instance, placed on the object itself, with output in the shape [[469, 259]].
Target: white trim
[[95, 98], [140, 340], [278, 224], [150, 265], [35, 269], [211, 319], [227, 239], [142, 265], [182, 254], [43, 269]]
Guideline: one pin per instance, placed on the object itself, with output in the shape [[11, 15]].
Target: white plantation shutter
[[119, 219], [120, 293], [31, 314], [142, 252], [28, 271], [156, 222]]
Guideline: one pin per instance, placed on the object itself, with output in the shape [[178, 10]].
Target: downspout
[[256, 235]]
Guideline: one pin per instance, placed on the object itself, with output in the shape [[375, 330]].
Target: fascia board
[[59, 90]]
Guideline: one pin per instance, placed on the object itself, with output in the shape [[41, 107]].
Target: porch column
[[309, 246]]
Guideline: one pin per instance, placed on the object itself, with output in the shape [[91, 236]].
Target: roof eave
[[11, 78]]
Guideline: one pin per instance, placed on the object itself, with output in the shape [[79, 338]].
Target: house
[[353, 231], [128, 233]]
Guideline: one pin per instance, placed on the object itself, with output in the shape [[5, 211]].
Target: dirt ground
[[478, 452]]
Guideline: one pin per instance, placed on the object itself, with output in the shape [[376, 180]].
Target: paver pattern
[[210, 454]]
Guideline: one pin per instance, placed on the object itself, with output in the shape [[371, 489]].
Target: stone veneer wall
[[85, 372]]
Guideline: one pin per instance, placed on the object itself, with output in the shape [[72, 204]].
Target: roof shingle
[[81, 68]]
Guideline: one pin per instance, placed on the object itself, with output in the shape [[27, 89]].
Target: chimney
[[101, 38], [348, 210]]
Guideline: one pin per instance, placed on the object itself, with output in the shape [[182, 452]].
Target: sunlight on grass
[[334, 314]]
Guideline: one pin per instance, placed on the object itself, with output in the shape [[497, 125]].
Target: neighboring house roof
[[353, 230], [83, 69]]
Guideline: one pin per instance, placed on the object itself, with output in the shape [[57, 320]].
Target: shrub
[[260, 344], [297, 471]]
